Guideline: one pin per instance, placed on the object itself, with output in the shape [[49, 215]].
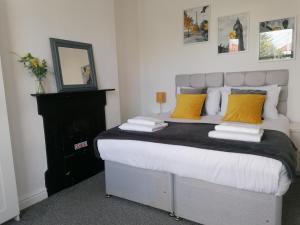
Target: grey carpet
[[85, 204]]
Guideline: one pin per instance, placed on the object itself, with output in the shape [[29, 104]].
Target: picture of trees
[[196, 24], [276, 39]]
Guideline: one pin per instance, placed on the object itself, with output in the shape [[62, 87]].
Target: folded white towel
[[142, 128], [143, 120], [239, 127], [236, 136]]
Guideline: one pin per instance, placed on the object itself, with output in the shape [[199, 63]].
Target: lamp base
[[160, 109]]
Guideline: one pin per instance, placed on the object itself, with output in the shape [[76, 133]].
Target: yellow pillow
[[189, 106], [246, 108]]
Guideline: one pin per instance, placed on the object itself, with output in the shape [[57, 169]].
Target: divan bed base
[[192, 199]]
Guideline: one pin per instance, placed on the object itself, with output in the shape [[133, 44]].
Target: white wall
[[162, 53], [27, 26], [126, 12]]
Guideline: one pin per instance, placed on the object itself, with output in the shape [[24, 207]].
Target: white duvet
[[243, 171]]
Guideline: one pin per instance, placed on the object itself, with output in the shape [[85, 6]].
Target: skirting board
[[33, 198]]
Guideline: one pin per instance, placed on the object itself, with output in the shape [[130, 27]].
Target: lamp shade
[[160, 97]]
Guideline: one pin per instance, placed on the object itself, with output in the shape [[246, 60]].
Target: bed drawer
[[148, 187], [212, 204]]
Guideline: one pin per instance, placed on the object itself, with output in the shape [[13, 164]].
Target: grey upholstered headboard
[[200, 80], [249, 78]]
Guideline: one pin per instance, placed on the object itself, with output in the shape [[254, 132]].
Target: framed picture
[[233, 33], [196, 24], [277, 39]]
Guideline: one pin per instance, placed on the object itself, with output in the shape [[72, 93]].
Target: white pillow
[[270, 106], [212, 102], [225, 91]]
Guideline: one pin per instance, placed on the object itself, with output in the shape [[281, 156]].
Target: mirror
[[73, 65], [277, 39]]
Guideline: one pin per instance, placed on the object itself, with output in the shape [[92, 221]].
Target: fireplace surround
[[71, 121]]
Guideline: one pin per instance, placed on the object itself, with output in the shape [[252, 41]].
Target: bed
[[209, 187]]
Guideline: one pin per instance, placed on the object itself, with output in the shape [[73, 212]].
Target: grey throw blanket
[[274, 144]]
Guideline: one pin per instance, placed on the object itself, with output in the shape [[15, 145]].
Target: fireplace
[[71, 122]]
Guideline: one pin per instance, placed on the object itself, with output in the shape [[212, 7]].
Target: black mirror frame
[[55, 43]]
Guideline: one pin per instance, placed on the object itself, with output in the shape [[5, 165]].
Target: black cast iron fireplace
[[71, 122]]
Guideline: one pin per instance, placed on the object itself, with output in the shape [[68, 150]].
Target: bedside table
[[295, 136]]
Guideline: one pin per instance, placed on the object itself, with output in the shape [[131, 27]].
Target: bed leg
[[177, 218], [17, 218], [171, 214], [107, 196]]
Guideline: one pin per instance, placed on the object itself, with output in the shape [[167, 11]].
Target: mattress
[[243, 171]]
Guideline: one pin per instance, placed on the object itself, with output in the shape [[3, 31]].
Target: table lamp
[[160, 98]]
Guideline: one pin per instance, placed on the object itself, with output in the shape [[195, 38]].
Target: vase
[[39, 86]]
